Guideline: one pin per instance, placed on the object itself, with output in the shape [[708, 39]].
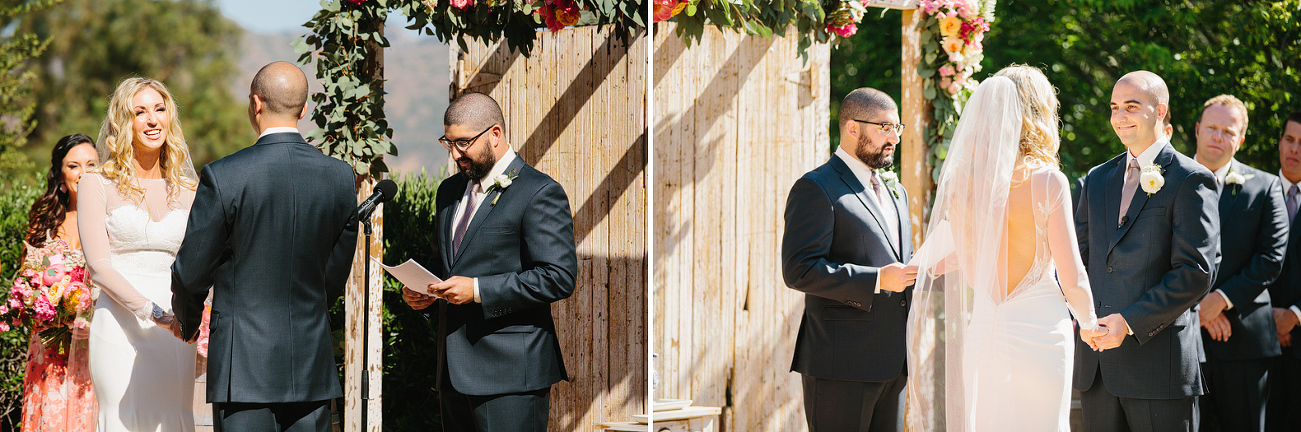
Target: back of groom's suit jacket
[[271, 232], [834, 244], [1253, 236], [1152, 270], [522, 251], [1285, 292]]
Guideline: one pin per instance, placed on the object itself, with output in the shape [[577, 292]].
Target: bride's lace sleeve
[[1066, 254], [92, 211]]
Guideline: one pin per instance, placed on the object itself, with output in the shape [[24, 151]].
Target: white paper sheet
[[939, 244], [411, 274]]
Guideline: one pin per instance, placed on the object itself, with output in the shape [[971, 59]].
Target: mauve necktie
[[1131, 187], [465, 220], [886, 211], [1291, 203]]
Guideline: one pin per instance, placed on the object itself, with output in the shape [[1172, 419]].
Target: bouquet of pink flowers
[[50, 294]]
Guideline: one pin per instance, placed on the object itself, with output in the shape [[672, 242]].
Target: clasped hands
[[456, 290], [1110, 333], [896, 277]]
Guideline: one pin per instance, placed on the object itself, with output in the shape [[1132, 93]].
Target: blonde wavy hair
[[117, 136], [1040, 123]]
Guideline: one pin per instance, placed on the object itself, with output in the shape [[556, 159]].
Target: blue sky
[[278, 16]]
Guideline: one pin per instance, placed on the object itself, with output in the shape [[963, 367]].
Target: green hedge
[[410, 351], [15, 199], [410, 354]]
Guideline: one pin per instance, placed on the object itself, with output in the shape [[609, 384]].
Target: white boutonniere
[[500, 183], [891, 180], [1234, 178], [1151, 179]]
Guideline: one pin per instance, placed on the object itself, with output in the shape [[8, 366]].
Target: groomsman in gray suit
[[847, 232], [1148, 227], [1236, 318], [1283, 413]]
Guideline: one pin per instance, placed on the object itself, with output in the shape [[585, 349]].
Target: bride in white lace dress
[[132, 217], [1011, 269]]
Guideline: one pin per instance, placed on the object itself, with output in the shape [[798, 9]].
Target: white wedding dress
[[991, 340], [143, 376]]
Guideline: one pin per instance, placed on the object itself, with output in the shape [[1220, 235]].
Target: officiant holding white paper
[[504, 246]]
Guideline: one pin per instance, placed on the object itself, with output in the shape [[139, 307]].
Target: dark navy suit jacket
[[521, 248], [271, 232], [834, 244], [1152, 270]]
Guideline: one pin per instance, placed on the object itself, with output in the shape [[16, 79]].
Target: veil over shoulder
[[965, 233]]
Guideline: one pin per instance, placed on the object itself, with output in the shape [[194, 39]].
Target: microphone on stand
[[385, 190]]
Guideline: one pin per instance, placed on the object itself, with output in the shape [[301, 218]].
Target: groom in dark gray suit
[[847, 233], [271, 232], [504, 242], [1148, 227]]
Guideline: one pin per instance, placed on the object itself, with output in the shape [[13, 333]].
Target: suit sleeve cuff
[[877, 290], [477, 299], [1228, 304], [1296, 311]]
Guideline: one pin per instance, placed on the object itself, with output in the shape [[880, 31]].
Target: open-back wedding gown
[[1006, 349]]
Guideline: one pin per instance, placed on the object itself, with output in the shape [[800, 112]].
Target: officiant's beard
[[477, 169], [872, 155]]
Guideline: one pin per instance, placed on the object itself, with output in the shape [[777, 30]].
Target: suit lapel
[[905, 224], [1229, 194], [485, 208], [1163, 159], [851, 181]]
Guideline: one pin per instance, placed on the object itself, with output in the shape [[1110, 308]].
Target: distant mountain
[[417, 80]]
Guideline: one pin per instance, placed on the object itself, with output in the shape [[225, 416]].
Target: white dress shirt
[[864, 175], [1220, 174], [479, 189], [279, 129]]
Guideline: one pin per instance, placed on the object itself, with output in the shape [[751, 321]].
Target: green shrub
[[410, 350], [15, 200]]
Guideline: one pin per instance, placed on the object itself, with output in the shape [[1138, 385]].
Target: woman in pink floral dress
[[57, 394]]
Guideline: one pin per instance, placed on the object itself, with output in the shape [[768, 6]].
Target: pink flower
[[205, 331], [4, 308], [845, 31], [29, 273], [664, 9], [357, 2], [4, 326], [78, 274], [946, 70], [53, 274], [80, 323], [461, 4], [44, 310]]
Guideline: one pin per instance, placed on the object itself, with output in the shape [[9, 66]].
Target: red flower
[[357, 2], [559, 13], [462, 4]]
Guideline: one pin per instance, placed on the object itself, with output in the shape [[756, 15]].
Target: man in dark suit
[[1283, 413], [847, 232], [1236, 318], [271, 232], [504, 242], [1147, 224]]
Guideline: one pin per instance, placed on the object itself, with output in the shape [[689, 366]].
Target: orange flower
[[950, 26], [952, 45]]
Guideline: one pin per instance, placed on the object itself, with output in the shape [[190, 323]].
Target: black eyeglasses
[[885, 127], [462, 144]]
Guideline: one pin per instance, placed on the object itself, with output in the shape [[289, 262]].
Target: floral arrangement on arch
[[50, 294], [952, 35]]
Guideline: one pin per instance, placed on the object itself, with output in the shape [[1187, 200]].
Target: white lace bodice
[[122, 236]]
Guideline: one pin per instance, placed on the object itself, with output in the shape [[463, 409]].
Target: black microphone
[[384, 191], [1124, 220]]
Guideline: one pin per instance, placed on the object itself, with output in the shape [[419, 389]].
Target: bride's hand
[[1088, 335]]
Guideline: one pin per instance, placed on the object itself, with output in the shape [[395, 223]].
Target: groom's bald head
[[1148, 83], [282, 86], [864, 103]]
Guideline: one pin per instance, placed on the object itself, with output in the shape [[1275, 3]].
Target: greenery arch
[[347, 38]]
